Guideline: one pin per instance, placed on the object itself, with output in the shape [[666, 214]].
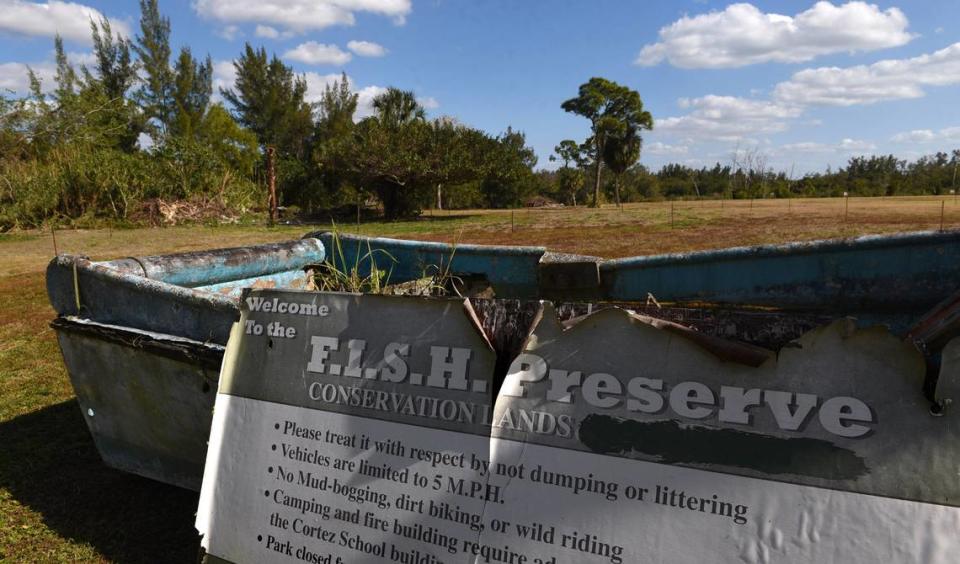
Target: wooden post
[[671, 214], [272, 184], [943, 203]]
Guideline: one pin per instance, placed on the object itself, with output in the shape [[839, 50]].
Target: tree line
[[748, 177], [77, 151], [141, 125]]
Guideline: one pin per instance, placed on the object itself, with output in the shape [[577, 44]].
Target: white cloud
[[889, 79], [805, 147], [266, 31], [855, 145], [46, 19], [951, 134], [727, 118], [230, 32], [79, 59], [428, 102], [365, 98], [915, 136], [366, 48], [300, 16], [663, 149], [224, 75], [313, 53], [811, 147], [742, 35], [14, 77]]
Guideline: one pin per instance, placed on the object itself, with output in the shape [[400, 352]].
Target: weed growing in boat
[[335, 275]]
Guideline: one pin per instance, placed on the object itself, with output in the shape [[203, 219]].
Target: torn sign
[[368, 434]]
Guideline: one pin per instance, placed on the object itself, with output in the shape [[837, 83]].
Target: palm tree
[[619, 154], [397, 107]]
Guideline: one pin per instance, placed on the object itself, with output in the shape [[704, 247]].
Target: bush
[[82, 184]]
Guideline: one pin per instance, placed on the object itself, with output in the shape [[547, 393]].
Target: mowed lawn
[[58, 502]]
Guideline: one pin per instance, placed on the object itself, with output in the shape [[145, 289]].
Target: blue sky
[[804, 84]]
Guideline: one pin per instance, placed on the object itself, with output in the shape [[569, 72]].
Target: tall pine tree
[[115, 68], [153, 48], [269, 100], [192, 87]]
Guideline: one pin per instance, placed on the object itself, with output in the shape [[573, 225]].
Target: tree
[[233, 144], [509, 175], [390, 163], [569, 179], [390, 153], [114, 75], [332, 139], [336, 109], [750, 172], [569, 151], [459, 154], [78, 112], [17, 117], [115, 69], [619, 154], [269, 100], [65, 77], [192, 87], [611, 108], [153, 48], [401, 157], [396, 108]]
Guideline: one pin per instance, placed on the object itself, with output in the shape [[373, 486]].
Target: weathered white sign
[[362, 429]]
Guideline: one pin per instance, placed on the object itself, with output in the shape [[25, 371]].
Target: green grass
[[58, 502]]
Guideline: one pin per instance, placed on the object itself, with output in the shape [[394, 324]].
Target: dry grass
[[646, 228], [59, 503]]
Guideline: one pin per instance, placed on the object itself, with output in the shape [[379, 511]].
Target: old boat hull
[[142, 338], [147, 398]]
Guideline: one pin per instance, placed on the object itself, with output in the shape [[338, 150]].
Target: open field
[[58, 502]]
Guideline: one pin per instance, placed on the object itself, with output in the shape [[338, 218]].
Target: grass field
[[59, 503]]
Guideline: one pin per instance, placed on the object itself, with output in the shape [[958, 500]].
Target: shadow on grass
[[50, 465]]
